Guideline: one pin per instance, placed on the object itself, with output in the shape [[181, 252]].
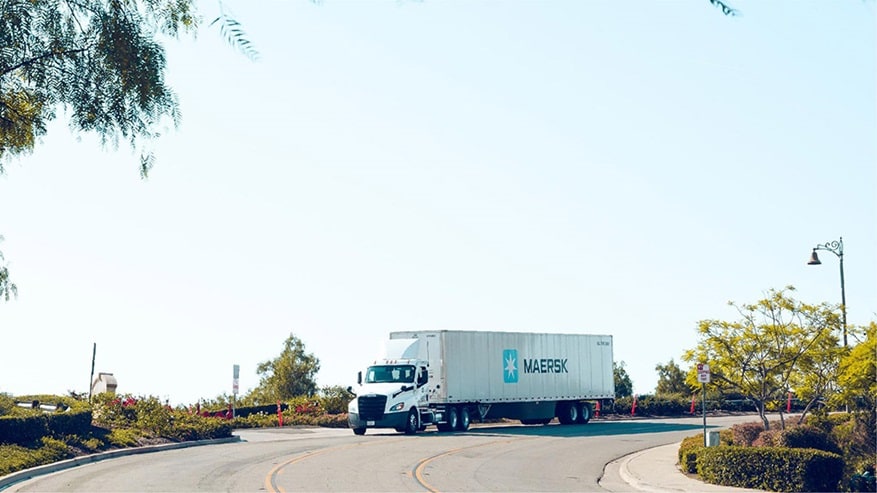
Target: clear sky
[[622, 168]]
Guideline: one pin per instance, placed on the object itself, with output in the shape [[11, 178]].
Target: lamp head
[[814, 259]]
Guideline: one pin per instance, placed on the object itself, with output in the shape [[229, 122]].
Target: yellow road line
[[418, 470], [272, 487]]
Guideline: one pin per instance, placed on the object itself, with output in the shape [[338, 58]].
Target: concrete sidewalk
[[655, 470]]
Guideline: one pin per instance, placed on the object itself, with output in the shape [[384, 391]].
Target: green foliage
[[150, 418], [45, 451], [858, 374], [857, 438], [334, 399], [122, 437], [7, 404], [806, 437], [23, 425], [688, 451], [671, 379], [770, 468], [99, 59], [7, 287], [291, 374], [623, 384], [761, 354]]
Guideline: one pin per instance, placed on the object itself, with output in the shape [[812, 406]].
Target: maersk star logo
[[510, 366]]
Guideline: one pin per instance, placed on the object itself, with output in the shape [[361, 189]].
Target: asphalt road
[[486, 458]]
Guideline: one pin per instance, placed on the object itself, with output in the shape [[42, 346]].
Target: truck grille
[[371, 407]]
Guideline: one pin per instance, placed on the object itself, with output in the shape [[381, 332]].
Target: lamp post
[[837, 248]]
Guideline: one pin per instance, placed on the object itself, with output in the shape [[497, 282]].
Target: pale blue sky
[[622, 168]]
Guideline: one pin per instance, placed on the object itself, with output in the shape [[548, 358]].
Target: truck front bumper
[[389, 420]]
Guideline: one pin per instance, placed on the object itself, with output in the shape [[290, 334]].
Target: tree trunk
[[760, 406]]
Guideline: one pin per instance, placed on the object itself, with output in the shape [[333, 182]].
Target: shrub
[[806, 437], [771, 468], [688, 451], [767, 438], [334, 399], [122, 437], [744, 434], [857, 437], [45, 451]]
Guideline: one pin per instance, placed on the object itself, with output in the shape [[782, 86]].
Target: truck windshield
[[390, 373]]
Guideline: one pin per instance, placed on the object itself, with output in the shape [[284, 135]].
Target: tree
[[623, 385], [99, 59], [857, 376], [291, 374], [759, 354], [7, 288], [671, 379]]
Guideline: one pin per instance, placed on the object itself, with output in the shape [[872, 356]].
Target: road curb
[[25, 474]]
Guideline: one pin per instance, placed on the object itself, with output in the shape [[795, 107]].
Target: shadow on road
[[590, 429]]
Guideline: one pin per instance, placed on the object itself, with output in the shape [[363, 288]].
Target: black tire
[[465, 419], [584, 413], [359, 431], [453, 418], [567, 413], [412, 423]]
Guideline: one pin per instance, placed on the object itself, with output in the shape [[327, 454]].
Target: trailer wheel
[[412, 424], [465, 420], [584, 412], [359, 431], [567, 413]]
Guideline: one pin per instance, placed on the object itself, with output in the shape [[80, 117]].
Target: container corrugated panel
[[494, 367]]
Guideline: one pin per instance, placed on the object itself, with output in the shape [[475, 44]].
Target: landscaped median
[[37, 430], [823, 454]]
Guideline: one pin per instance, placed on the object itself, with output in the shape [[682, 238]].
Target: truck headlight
[[398, 407], [353, 407]]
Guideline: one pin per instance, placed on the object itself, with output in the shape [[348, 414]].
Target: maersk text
[[545, 365]]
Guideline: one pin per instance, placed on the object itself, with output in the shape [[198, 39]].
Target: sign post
[[703, 376], [236, 373]]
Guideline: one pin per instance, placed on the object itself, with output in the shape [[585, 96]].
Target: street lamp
[[837, 248]]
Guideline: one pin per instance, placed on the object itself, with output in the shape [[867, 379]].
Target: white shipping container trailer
[[449, 377]]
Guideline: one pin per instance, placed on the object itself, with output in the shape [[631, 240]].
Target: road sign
[[703, 373], [234, 382]]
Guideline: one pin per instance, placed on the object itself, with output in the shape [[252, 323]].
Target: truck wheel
[[413, 422], [453, 419], [584, 412], [465, 420], [359, 431], [567, 413]]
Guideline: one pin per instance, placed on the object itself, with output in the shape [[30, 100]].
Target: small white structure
[[105, 382]]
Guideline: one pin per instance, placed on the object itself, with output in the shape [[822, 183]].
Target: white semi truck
[[450, 377]]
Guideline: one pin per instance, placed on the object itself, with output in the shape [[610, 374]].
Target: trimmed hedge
[[24, 426], [770, 468]]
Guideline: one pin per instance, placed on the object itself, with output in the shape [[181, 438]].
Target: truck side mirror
[[359, 378]]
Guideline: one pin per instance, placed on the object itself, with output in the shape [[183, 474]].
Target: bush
[[767, 438], [688, 451], [45, 451], [334, 399], [771, 468], [122, 437], [856, 436], [744, 434], [806, 437]]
